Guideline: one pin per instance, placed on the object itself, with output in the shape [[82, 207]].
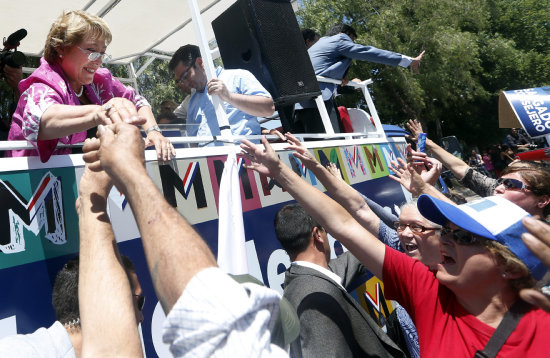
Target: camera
[[9, 55]]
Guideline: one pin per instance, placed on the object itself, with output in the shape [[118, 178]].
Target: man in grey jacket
[[332, 323]]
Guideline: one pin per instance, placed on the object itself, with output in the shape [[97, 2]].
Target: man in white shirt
[[63, 339], [244, 98]]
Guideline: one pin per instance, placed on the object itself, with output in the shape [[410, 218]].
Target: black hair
[[171, 117], [65, 290], [342, 28], [65, 293], [309, 34], [186, 54], [293, 227]]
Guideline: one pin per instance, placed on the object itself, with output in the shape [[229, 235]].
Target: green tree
[[475, 49], [155, 83]]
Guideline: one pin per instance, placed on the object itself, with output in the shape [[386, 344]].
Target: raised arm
[[407, 175], [454, 164], [333, 217], [339, 190], [108, 321], [174, 251], [61, 120]]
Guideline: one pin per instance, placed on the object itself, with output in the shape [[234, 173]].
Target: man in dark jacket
[[332, 323]]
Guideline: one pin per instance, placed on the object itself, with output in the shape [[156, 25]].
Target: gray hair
[[414, 204]]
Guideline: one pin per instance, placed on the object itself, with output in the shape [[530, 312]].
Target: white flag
[[231, 243]]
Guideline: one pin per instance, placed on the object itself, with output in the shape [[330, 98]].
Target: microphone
[[15, 38]]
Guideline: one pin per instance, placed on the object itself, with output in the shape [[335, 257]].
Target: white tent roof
[[138, 26]]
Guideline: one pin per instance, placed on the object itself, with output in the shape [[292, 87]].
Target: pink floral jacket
[[48, 85]]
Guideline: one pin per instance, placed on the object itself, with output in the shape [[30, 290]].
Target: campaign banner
[[529, 108], [39, 223]]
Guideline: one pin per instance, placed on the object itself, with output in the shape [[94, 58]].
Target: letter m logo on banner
[[354, 161], [43, 210], [376, 164], [171, 182]]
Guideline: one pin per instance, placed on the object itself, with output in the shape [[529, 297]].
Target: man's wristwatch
[[152, 128]]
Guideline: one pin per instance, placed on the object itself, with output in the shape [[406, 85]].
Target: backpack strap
[[504, 329]]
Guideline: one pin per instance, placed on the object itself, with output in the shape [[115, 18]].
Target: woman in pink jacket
[[65, 99]]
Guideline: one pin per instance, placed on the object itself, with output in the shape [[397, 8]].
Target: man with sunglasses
[[245, 99], [63, 338]]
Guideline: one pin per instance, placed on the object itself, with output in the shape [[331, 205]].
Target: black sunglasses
[[140, 301], [512, 184], [414, 227], [461, 237]]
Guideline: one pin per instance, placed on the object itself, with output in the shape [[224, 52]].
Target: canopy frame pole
[[223, 123]]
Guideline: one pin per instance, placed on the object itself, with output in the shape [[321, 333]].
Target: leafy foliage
[[155, 83], [475, 49]]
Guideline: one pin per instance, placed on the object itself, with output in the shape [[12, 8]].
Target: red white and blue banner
[[39, 224]]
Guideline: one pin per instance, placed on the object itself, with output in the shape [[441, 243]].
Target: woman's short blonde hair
[[71, 28], [511, 264]]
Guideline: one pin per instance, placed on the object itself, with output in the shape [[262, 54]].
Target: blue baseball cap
[[493, 218]]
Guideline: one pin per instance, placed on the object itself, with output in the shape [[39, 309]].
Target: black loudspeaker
[[263, 37]]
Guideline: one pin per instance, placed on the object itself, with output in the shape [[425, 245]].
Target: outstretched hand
[[334, 170], [118, 110], [119, 151], [415, 128], [164, 148], [300, 151], [415, 64], [406, 175], [263, 159], [538, 241], [429, 168]]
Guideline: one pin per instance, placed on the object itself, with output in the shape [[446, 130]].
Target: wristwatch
[[153, 128]]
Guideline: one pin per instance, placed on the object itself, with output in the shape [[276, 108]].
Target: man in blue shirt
[[243, 96], [331, 57]]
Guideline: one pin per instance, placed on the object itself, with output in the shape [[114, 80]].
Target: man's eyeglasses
[[184, 75], [461, 237], [512, 184], [93, 56], [140, 301], [414, 227]]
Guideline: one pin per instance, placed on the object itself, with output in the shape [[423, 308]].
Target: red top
[[445, 328]]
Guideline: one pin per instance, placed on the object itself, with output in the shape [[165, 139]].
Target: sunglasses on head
[[140, 301], [512, 184], [461, 237]]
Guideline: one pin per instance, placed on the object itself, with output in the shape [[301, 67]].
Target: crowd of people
[[466, 276], [495, 158]]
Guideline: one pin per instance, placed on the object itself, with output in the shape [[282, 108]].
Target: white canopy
[[138, 26]]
